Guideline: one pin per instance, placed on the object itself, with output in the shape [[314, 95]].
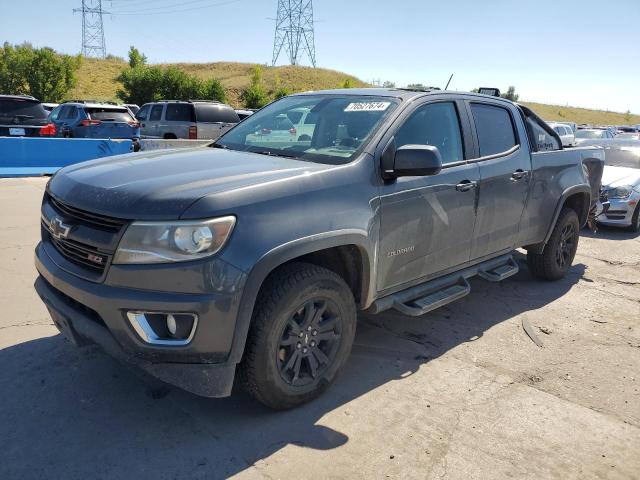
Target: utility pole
[[92, 28], [294, 31]]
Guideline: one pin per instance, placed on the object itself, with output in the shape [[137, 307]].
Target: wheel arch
[[347, 253]]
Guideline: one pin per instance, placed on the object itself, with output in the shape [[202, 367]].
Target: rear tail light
[[134, 124], [193, 133], [49, 130], [88, 123], [292, 131]]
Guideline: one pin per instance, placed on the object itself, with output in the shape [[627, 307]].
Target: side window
[[143, 112], [540, 137], [435, 124], [156, 112], [71, 113], [53, 116], [179, 112], [494, 128]]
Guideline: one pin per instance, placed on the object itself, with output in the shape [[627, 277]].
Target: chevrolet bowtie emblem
[[59, 229]]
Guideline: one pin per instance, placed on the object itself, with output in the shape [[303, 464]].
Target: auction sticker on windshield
[[367, 107]]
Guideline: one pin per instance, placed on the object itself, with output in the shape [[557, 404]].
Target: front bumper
[[89, 312], [618, 213]]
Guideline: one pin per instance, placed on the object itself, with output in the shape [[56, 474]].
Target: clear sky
[[567, 52]]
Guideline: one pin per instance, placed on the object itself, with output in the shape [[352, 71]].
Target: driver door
[[427, 222]]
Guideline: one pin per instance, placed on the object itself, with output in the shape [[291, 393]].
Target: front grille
[[80, 216], [81, 254], [78, 247]]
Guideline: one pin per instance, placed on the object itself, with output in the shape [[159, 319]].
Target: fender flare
[[282, 254], [583, 189]]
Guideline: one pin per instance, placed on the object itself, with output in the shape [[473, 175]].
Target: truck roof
[[401, 93]]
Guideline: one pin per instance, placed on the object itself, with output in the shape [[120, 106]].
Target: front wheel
[[635, 220], [558, 254], [302, 330]]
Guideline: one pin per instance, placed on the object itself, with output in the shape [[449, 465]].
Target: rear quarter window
[[494, 128], [211, 113], [179, 112]]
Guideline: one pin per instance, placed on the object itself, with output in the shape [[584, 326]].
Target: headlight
[[620, 192], [166, 242]]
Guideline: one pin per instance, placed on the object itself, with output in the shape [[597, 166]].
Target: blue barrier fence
[[24, 156]]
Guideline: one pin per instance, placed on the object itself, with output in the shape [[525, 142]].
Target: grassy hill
[[96, 80]]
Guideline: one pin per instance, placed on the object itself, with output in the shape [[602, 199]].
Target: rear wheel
[[301, 335], [556, 259]]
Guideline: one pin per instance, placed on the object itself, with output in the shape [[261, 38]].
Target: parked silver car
[[621, 187], [192, 119]]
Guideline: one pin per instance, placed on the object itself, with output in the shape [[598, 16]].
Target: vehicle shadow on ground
[[610, 233], [75, 413]]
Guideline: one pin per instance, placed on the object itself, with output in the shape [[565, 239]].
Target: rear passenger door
[[505, 168]]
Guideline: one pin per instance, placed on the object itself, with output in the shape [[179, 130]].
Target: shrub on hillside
[[255, 95]]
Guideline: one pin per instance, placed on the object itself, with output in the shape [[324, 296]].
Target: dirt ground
[[460, 393]]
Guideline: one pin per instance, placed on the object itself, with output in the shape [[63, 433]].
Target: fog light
[[157, 328], [171, 325]]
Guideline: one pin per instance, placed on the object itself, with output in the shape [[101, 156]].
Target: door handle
[[466, 185], [519, 174]]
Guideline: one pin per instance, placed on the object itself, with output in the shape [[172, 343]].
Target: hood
[[620, 176], [162, 185]]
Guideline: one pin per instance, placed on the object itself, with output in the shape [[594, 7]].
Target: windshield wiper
[[273, 154], [218, 145]]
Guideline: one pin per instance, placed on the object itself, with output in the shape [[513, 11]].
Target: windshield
[[319, 128], [590, 134]]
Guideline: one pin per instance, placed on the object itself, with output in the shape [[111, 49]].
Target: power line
[[171, 8], [295, 31], [93, 44]]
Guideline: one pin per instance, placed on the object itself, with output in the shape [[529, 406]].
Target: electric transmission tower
[[92, 30], [294, 31]]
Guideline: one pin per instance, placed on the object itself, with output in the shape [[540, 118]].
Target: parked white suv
[[566, 134]]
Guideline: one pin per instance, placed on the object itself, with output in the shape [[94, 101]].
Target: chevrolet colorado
[[253, 257]]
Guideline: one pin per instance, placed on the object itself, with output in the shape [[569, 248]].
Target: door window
[[142, 113], [156, 112], [435, 124], [494, 128], [179, 112]]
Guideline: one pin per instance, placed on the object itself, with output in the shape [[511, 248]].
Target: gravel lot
[[460, 393]]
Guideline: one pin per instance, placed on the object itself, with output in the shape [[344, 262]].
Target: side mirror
[[417, 160]]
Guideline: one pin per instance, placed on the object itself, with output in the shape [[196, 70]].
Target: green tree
[[280, 90], [136, 58], [388, 84], [255, 95], [40, 72], [140, 85], [213, 90], [511, 94]]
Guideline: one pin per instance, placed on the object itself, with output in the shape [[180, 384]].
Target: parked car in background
[[626, 129], [244, 113], [133, 108], [192, 119], [621, 189], [628, 136], [94, 120], [50, 106], [23, 116], [593, 134], [565, 133]]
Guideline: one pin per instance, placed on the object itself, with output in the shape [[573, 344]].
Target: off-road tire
[[280, 299], [546, 265], [635, 220]]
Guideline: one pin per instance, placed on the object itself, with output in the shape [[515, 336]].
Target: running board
[[428, 296], [500, 273], [437, 299]]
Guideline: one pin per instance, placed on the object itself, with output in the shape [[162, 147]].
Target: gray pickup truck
[[253, 256]]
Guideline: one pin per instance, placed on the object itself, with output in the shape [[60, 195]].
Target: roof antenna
[[449, 81]]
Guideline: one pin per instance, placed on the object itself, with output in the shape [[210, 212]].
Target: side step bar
[[428, 296], [437, 299]]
